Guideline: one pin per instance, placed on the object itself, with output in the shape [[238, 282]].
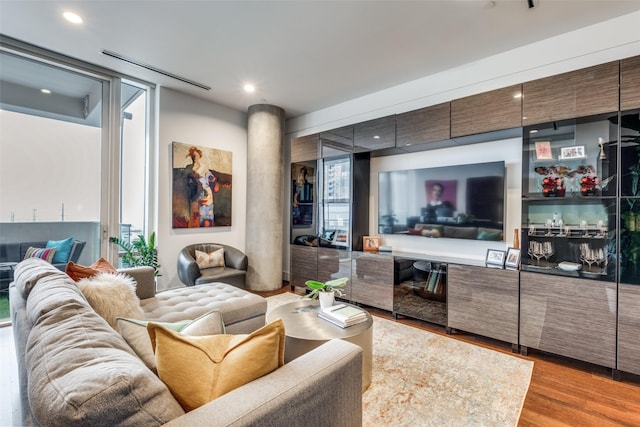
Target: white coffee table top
[[301, 321]]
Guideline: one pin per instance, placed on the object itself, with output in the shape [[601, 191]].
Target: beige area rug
[[425, 379]]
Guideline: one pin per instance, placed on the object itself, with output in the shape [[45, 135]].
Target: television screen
[[460, 201]]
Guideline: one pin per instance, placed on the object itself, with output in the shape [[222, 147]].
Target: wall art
[[202, 186]]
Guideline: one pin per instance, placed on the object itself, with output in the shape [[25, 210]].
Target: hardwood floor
[[563, 392]]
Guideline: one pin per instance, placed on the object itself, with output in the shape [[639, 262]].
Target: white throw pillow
[[210, 260], [111, 296]]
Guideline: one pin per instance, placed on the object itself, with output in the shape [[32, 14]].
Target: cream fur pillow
[[111, 296]]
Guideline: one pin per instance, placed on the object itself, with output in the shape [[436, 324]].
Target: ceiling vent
[[154, 69]]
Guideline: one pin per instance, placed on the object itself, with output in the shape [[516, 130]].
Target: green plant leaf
[[314, 284], [337, 283]]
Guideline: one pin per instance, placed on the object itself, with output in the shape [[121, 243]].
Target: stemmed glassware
[[535, 250], [547, 250], [592, 256], [540, 250]]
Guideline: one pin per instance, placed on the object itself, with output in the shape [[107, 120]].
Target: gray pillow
[[135, 333]]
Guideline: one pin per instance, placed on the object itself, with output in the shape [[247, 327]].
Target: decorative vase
[[326, 299]]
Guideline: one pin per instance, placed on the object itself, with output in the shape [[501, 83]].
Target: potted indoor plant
[[325, 292], [140, 252]]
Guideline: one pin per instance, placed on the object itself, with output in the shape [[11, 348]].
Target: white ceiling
[[302, 55]]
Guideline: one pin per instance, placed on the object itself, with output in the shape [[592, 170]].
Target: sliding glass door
[[73, 155]]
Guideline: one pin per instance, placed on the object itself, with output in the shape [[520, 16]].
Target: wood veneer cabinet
[[375, 134], [490, 111], [584, 92], [304, 148], [303, 264], [430, 124], [629, 328], [484, 301], [334, 264], [336, 142], [569, 316], [372, 279], [630, 83]]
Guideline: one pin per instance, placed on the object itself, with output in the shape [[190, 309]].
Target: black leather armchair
[[234, 271]]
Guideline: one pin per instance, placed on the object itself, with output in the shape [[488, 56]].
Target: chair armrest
[[323, 386], [188, 270], [234, 258], [145, 280]]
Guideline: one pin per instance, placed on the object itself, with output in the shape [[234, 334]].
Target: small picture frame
[[495, 258], [572, 152], [370, 243], [543, 150], [512, 261]]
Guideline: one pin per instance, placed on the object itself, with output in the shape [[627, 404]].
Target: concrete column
[[265, 189]]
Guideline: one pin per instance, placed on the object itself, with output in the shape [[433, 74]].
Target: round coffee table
[[305, 331]]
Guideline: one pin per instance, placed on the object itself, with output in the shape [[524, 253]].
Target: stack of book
[[343, 315]]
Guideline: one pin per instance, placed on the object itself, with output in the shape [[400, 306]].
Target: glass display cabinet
[[630, 197], [335, 202], [569, 195]]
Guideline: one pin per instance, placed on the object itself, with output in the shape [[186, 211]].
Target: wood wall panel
[[430, 124], [629, 328], [483, 301], [303, 264], [375, 134], [584, 92], [486, 112], [630, 83], [568, 316], [372, 280], [304, 148]]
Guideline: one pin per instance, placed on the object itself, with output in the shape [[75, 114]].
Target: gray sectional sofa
[[75, 369]]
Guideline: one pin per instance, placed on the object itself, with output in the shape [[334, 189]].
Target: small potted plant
[[325, 292], [140, 252]]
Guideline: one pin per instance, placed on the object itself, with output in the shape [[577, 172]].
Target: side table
[[305, 331]]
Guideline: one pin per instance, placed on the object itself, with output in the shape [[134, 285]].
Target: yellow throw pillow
[[210, 260], [135, 333], [198, 370]]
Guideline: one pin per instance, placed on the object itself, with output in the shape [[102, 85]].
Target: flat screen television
[[459, 201]]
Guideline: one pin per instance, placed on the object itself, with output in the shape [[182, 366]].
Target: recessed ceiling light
[[249, 88], [376, 137], [517, 95], [46, 91], [533, 131], [72, 17]]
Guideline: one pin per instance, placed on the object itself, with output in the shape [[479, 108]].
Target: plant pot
[[326, 299]]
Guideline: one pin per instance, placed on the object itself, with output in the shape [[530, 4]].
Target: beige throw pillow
[[198, 370], [135, 333], [111, 296], [210, 260]]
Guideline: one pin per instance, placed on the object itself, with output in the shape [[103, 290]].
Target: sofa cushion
[[210, 259], [489, 234], [200, 369], [80, 371], [460, 232], [63, 249], [46, 254], [78, 272], [135, 333], [29, 272], [112, 296]]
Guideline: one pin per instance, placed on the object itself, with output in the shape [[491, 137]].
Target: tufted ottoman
[[242, 311]]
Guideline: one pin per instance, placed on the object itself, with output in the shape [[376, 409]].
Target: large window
[[73, 153]]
